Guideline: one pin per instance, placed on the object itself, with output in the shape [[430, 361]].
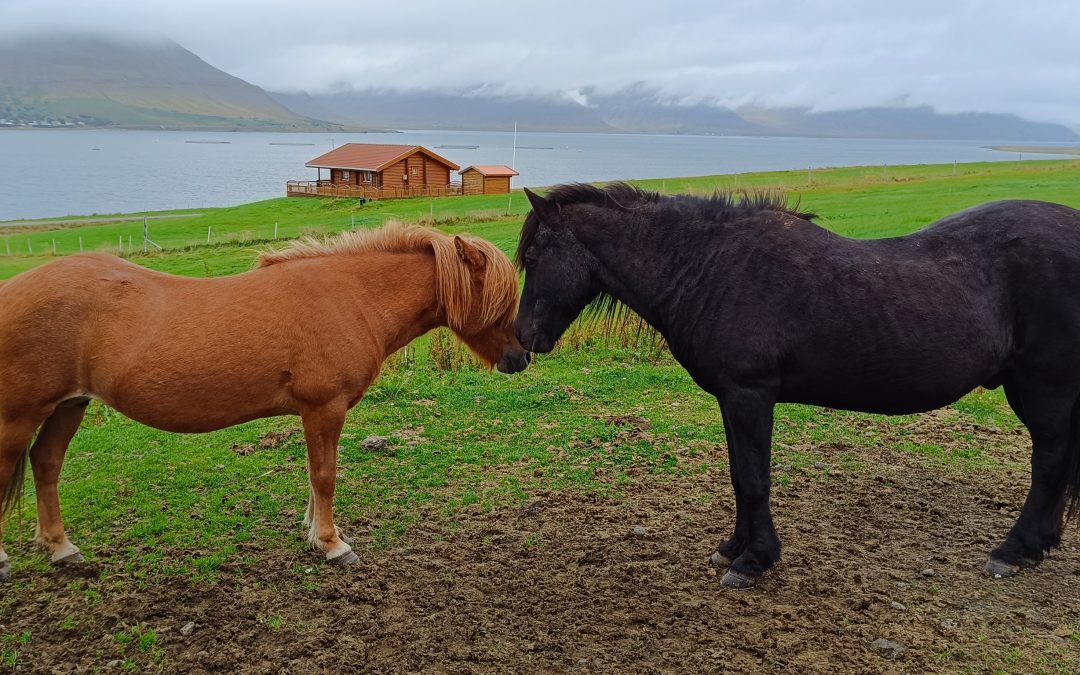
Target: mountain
[[465, 111], [639, 109], [81, 80], [912, 122]]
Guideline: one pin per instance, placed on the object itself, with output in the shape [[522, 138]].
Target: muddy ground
[[889, 550]]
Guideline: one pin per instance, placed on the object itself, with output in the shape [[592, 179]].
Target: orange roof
[[491, 170], [371, 156]]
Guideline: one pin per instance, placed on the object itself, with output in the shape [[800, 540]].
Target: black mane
[[720, 207]]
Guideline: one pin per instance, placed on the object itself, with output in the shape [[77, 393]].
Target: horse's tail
[[1072, 473], [13, 491]]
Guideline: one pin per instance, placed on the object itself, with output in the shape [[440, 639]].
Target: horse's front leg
[[322, 429], [748, 418]]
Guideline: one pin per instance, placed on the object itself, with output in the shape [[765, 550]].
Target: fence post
[[30, 246], [208, 233], [7, 242], [121, 245], [275, 230], [145, 234], [80, 245], [54, 246]]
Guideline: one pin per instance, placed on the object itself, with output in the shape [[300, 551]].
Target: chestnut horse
[[305, 333]]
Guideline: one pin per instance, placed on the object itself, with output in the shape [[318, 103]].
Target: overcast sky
[[957, 55]]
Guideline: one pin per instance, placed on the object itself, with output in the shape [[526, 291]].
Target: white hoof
[[66, 553]]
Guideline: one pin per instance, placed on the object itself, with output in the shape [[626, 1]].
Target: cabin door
[[414, 174]]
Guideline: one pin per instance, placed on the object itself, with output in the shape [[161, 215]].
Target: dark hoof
[[735, 580], [347, 558], [999, 569], [719, 560], [73, 559]]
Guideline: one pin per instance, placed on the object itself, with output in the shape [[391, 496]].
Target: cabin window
[[415, 171], [366, 176], [345, 175]]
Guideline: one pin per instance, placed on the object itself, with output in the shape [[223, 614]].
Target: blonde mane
[[498, 297]]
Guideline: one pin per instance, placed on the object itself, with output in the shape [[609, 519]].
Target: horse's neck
[[637, 272], [395, 294]]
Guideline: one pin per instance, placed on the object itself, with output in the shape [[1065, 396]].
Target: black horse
[[762, 306]]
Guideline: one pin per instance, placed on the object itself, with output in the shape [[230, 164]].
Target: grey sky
[[993, 56]]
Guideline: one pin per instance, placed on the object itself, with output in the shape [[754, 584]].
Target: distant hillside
[[637, 109], [92, 81], [436, 110]]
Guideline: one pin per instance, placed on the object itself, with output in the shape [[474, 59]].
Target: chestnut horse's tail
[[13, 491]]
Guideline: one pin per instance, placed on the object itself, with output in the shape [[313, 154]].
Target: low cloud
[[956, 56]]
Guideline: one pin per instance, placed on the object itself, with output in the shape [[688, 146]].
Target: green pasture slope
[[144, 504]]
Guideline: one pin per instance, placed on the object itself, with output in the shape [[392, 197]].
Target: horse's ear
[[545, 209], [469, 254]]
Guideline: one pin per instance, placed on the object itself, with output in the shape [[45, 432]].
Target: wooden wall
[[497, 185], [472, 183]]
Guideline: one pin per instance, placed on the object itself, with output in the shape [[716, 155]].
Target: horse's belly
[[893, 392]]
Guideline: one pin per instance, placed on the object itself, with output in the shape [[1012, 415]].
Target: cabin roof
[[371, 156], [491, 170]]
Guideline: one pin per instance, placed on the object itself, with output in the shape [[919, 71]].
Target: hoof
[[735, 580], [73, 559], [346, 558], [999, 569], [719, 560]]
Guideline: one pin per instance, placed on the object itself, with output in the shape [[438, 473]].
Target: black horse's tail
[[1072, 473]]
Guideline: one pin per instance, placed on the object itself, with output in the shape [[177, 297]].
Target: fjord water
[[47, 173]]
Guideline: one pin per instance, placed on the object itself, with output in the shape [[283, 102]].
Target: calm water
[[56, 173]]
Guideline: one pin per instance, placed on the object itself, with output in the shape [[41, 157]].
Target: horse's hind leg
[[15, 435], [46, 458], [1048, 414]]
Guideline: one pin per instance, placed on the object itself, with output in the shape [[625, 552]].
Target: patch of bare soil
[[570, 582]]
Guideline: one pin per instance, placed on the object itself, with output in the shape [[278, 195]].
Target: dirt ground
[[567, 582]]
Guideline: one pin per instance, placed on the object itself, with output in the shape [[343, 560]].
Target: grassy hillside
[[95, 81], [856, 201], [205, 527]]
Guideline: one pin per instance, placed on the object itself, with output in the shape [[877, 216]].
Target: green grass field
[[148, 505]]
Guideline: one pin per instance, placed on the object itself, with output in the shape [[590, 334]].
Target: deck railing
[[323, 188]]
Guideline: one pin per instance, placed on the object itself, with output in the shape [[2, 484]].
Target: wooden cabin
[[486, 180], [379, 171]]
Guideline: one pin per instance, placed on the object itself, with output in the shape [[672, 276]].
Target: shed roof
[[491, 170], [371, 156]]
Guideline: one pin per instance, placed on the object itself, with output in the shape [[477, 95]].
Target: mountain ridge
[[86, 80]]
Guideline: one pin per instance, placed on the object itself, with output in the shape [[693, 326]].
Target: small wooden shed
[[379, 171], [486, 180]]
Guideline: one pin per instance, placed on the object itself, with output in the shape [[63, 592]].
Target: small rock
[[928, 572], [188, 628], [889, 649], [948, 624], [1063, 632], [821, 465], [897, 606], [115, 663], [639, 530], [374, 443], [202, 655]]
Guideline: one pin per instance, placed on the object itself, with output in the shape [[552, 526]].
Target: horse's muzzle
[[514, 362]]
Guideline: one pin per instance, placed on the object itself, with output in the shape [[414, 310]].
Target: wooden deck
[[323, 188]]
